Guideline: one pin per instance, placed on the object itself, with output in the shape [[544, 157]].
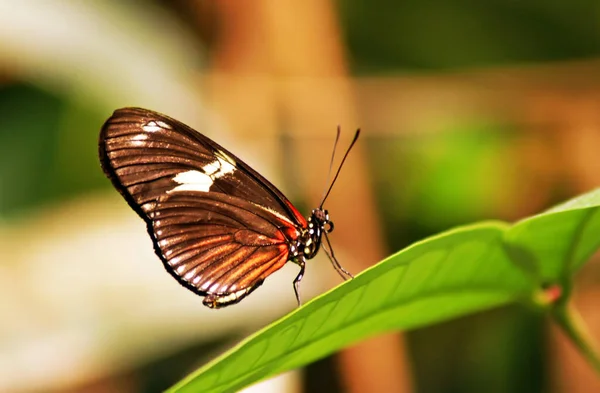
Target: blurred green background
[[471, 110]]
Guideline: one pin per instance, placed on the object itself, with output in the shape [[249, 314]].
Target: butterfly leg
[[336, 265], [300, 262]]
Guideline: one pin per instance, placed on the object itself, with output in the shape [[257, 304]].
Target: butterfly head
[[318, 223], [321, 218]]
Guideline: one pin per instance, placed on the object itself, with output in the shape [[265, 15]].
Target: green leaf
[[559, 240], [461, 271]]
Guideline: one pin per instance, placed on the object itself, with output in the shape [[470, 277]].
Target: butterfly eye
[[330, 227]]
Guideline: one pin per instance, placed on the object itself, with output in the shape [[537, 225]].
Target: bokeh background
[[470, 110]]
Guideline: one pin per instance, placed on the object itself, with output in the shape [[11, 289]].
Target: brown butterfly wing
[[218, 246]]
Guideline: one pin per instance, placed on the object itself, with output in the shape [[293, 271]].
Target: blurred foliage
[[385, 35], [48, 148], [496, 351], [429, 181], [29, 122]]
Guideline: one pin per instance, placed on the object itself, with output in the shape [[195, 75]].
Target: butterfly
[[218, 226]]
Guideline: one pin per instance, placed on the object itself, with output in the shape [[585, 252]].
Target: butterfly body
[[218, 226]]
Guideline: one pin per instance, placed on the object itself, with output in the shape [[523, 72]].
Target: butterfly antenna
[[341, 164], [337, 138]]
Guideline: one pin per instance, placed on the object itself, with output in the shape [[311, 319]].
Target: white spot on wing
[[232, 296], [227, 298], [192, 181], [151, 126], [202, 180], [196, 279], [206, 285], [164, 125], [227, 158], [190, 274], [221, 167], [140, 137], [180, 269], [212, 168]]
